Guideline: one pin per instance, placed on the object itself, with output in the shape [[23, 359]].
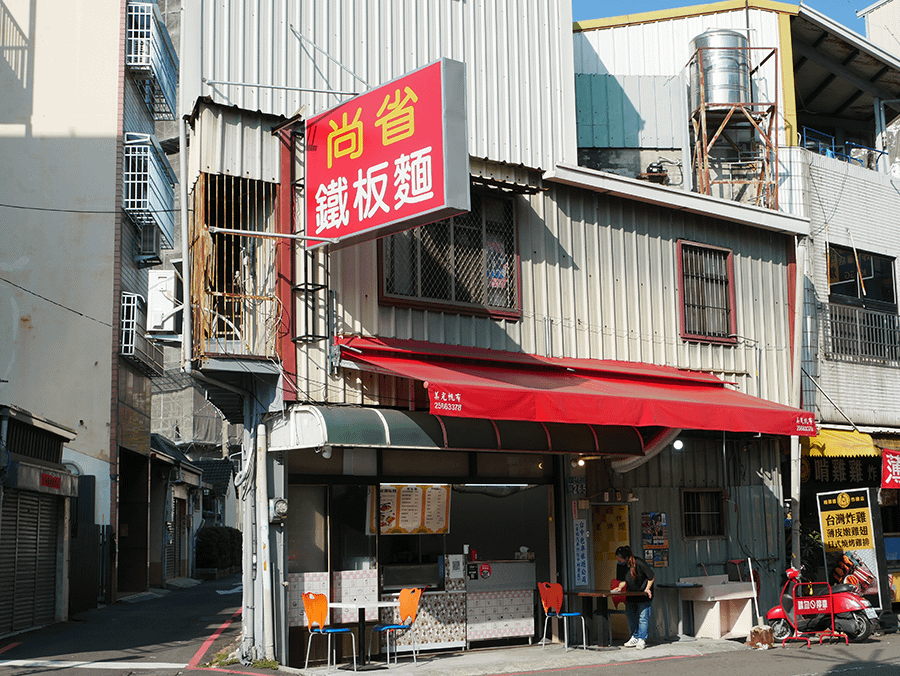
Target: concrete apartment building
[[86, 198]]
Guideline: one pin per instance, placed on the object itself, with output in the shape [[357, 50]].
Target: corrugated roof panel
[[235, 143]]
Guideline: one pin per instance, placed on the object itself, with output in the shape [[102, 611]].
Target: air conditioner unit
[[149, 248], [164, 305]]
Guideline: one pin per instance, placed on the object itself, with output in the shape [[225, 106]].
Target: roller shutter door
[[29, 524]]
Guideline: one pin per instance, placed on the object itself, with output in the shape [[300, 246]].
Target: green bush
[[218, 547]]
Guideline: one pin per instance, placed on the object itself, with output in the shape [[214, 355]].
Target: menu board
[[854, 543], [410, 509]]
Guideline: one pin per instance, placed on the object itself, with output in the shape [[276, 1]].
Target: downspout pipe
[[186, 328], [799, 293], [264, 564]]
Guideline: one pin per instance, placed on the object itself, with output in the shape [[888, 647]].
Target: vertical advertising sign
[[581, 560], [390, 159], [850, 521]]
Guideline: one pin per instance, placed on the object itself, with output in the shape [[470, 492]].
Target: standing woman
[[638, 578]]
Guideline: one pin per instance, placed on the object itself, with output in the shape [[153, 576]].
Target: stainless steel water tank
[[725, 66]]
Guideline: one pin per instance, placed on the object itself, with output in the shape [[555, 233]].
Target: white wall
[[58, 138]]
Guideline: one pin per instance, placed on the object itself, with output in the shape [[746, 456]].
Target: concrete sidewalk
[[524, 659]]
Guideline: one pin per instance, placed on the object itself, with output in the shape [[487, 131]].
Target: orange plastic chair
[[552, 600], [409, 609], [316, 607]]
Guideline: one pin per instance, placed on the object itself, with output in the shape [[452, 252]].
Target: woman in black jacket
[[638, 577]]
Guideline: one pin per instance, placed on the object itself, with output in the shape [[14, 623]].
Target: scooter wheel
[[781, 629], [861, 628]]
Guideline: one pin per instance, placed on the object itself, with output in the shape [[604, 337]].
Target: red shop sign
[[390, 159]]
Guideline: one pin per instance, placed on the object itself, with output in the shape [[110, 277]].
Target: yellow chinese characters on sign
[[846, 524], [345, 139], [397, 118]]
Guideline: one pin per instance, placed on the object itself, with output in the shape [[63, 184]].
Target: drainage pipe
[[264, 564]]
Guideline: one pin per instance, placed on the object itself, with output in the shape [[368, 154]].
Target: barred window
[[707, 293], [466, 261], [703, 514]]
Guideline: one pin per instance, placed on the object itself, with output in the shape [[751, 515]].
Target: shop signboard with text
[[390, 159], [853, 541]]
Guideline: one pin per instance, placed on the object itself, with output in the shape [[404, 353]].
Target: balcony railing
[[150, 56], [849, 152], [149, 186], [863, 336], [144, 355]]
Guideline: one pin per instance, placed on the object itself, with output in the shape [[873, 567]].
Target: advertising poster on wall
[[409, 509], [655, 538], [850, 523]]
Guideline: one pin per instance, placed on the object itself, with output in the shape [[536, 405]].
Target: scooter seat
[[822, 590]]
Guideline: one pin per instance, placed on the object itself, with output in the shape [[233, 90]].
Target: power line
[[82, 211], [64, 307]]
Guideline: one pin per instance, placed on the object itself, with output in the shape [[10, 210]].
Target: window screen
[[468, 260]]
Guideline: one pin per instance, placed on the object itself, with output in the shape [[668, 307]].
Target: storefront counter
[[500, 599]]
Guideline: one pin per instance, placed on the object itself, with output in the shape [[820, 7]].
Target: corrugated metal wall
[[599, 280], [517, 55], [754, 511], [663, 48], [234, 143], [631, 111], [845, 198]]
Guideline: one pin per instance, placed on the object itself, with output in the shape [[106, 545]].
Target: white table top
[[356, 605]]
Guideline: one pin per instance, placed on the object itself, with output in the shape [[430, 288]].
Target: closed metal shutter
[[28, 545]]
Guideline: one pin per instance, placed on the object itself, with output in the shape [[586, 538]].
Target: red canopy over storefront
[[478, 383]]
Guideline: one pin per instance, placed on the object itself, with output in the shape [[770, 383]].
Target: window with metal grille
[[468, 261], [703, 513], [235, 266], [707, 293]]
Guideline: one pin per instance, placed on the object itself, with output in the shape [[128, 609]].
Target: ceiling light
[[678, 444]]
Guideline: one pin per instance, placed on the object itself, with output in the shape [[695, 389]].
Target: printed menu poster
[[850, 530], [411, 509]]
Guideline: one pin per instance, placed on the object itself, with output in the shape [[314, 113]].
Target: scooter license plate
[[871, 614]]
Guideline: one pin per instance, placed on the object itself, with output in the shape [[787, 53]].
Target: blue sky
[[842, 11]]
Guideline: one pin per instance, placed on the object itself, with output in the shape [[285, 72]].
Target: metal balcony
[[143, 354], [151, 58], [149, 186]]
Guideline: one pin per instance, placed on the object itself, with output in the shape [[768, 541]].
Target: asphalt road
[[164, 634]]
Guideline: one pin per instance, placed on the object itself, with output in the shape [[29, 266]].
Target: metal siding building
[[599, 280], [516, 93], [754, 519]]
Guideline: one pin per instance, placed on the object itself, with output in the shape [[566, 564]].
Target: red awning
[[477, 383]]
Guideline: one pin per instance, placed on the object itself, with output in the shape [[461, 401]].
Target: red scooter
[[853, 614]]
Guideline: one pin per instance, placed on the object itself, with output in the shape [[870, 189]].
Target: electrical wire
[[83, 211], [64, 307]]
